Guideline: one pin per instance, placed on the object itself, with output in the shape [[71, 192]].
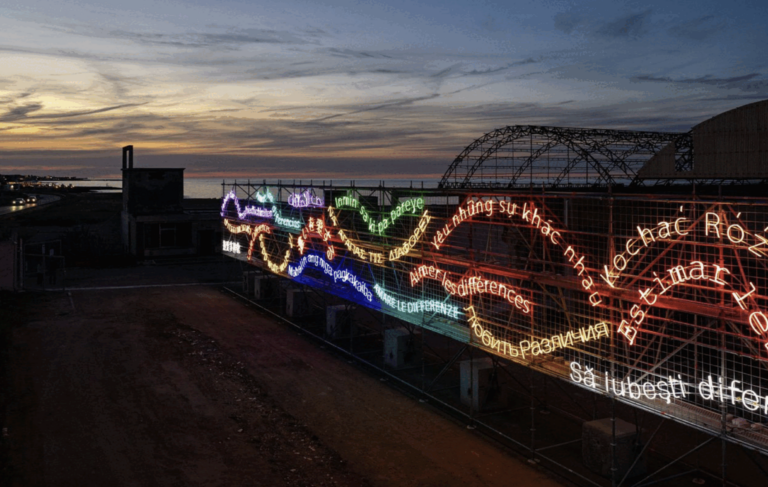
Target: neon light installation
[[243, 213], [228, 246], [530, 214], [274, 267], [471, 208], [265, 197], [285, 222], [471, 286], [362, 253], [252, 230], [663, 231], [305, 199], [410, 206], [395, 254], [707, 389], [714, 226], [351, 246], [419, 306], [407, 207], [535, 347], [342, 275], [348, 201], [316, 226]]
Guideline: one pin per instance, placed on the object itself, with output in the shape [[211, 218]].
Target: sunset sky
[[352, 88]]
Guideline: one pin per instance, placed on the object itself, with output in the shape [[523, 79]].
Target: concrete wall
[[8, 266]]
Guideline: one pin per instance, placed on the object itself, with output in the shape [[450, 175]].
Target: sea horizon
[[212, 187]]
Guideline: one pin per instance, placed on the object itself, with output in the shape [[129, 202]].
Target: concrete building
[[156, 219]]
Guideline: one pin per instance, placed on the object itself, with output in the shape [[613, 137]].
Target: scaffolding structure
[[659, 302], [606, 261]]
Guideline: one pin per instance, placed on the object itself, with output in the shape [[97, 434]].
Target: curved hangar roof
[[524, 155], [732, 145], [729, 146]]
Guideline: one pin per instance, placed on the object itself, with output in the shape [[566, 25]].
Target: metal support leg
[[533, 418], [702, 445], [645, 447], [724, 448], [613, 441], [447, 367]]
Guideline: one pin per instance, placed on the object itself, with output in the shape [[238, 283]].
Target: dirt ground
[[184, 385]]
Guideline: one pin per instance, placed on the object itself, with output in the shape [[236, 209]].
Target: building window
[[167, 235]]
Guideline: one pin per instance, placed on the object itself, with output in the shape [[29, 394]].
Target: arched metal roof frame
[[582, 142]]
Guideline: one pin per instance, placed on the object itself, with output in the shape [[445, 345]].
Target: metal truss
[[527, 155]]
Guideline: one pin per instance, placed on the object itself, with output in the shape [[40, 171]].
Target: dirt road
[[187, 386]]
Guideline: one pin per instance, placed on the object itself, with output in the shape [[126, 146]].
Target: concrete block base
[[596, 448], [338, 320], [478, 387], [297, 303], [399, 350]]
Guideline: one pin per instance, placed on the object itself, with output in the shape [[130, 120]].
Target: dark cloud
[[353, 54], [746, 82], [630, 26], [568, 21], [379, 106], [12, 99], [698, 29], [20, 112], [227, 40], [85, 112], [707, 80], [479, 72], [443, 72]]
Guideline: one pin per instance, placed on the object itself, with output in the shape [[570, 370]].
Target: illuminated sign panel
[[658, 301], [251, 230], [228, 246], [407, 207], [533, 346], [305, 199], [419, 306], [244, 212], [717, 389], [338, 275]]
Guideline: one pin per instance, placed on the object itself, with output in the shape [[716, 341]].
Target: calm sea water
[[212, 187]]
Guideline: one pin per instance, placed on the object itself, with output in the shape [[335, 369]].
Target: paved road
[[42, 200]]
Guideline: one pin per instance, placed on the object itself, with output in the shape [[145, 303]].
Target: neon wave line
[[285, 222], [378, 257], [679, 275], [536, 346], [252, 230], [243, 213], [528, 213], [276, 268], [265, 197], [473, 285], [305, 199], [405, 207], [337, 275], [418, 306]]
